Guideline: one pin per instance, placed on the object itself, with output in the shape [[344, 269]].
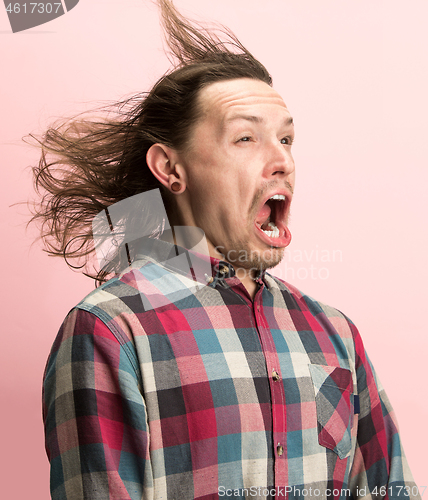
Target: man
[[159, 386]]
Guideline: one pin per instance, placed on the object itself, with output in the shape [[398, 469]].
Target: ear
[[163, 163]]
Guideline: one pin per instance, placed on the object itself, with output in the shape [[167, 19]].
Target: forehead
[[220, 101]]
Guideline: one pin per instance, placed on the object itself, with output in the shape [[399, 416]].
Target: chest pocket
[[335, 407]]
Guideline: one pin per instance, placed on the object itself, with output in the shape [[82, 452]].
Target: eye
[[247, 138], [287, 140]]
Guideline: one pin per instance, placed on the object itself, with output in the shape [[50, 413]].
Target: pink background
[[354, 75]]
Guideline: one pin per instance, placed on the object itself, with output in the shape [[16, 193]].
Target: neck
[[249, 284]]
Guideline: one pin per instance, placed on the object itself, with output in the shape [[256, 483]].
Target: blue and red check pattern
[[214, 394]]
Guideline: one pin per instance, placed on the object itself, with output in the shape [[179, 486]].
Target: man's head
[[213, 125], [236, 174]]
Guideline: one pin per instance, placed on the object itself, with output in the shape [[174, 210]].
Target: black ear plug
[[24, 14]]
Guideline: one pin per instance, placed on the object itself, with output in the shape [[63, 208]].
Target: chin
[[264, 262], [254, 259]]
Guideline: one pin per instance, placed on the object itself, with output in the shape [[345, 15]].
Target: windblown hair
[[88, 164]]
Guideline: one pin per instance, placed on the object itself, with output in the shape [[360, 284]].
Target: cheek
[[197, 176]]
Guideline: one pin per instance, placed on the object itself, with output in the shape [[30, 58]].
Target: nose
[[280, 161]]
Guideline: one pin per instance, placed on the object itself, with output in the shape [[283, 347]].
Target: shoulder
[[121, 294], [127, 302], [322, 312]]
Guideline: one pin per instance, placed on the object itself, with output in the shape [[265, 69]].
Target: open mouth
[[271, 220]]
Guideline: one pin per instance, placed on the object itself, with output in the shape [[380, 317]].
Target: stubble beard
[[252, 261]]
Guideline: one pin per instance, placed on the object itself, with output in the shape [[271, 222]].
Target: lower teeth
[[274, 233]]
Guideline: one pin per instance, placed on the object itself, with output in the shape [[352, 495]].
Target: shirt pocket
[[335, 407]]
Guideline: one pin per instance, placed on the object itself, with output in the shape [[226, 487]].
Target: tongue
[[263, 214]]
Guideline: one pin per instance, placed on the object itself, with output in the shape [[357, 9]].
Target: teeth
[[275, 231], [277, 197]]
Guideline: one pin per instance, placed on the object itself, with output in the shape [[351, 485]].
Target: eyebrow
[[254, 119]]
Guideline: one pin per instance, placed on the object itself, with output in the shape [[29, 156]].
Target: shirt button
[[280, 450], [275, 376]]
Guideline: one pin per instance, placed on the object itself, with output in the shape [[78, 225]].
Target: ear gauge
[[175, 186]]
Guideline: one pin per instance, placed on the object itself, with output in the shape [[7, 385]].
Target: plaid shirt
[[215, 395]]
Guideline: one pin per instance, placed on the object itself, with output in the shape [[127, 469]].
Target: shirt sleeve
[[380, 468], [94, 414]]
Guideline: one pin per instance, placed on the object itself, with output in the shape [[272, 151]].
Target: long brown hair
[[90, 163]]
